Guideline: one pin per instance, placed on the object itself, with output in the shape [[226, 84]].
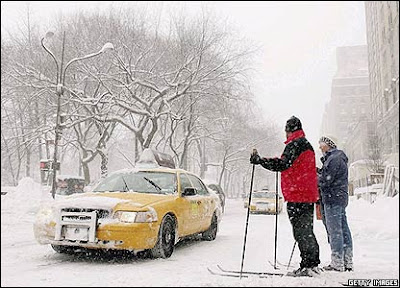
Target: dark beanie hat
[[293, 124]]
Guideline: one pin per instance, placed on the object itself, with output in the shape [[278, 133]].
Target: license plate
[[76, 233]]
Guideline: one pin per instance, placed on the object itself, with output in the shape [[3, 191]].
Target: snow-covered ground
[[375, 229]]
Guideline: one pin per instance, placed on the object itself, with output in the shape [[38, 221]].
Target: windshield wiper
[[126, 188], [152, 183]]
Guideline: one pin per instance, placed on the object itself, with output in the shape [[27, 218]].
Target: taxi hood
[[112, 200]]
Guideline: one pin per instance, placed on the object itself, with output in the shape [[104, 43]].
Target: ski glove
[[255, 159]]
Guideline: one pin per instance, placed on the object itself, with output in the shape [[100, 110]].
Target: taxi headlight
[[125, 216], [136, 217], [147, 216], [45, 214]]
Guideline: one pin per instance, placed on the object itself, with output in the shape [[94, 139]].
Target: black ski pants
[[301, 216]]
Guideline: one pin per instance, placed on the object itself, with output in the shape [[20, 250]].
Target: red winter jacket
[[297, 164]]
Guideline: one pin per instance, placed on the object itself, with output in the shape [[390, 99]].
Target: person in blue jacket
[[333, 183]]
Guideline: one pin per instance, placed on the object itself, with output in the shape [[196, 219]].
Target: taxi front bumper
[[132, 236]]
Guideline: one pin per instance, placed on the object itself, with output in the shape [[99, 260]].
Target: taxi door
[[205, 201], [189, 208]]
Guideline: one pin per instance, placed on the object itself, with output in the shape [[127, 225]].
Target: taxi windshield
[[139, 181]]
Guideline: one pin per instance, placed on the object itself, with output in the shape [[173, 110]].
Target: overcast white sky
[[298, 40]]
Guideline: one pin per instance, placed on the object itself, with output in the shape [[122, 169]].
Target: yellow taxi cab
[[147, 208], [264, 201]]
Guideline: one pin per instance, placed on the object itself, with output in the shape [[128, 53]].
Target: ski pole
[[290, 259], [247, 219], [276, 218]]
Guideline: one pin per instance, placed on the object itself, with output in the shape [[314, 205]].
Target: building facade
[[349, 109], [382, 22]]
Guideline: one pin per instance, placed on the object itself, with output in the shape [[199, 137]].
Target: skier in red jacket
[[300, 190]]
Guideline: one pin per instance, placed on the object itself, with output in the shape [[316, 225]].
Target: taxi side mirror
[[189, 191]]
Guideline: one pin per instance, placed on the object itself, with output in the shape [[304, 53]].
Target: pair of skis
[[236, 273], [280, 265], [241, 274], [247, 274]]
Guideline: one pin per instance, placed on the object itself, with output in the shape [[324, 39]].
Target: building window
[[388, 144], [394, 90], [386, 99]]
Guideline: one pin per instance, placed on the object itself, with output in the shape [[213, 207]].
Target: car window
[[216, 188], [185, 182], [200, 187], [139, 181]]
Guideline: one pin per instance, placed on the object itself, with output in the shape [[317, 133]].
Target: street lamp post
[[60, 91]]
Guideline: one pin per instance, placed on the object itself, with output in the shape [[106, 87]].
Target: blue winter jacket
[[333, 178]]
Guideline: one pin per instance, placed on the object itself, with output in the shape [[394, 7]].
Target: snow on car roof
[[151, 158]]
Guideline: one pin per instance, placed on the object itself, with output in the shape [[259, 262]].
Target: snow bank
[[26, 198], [378, 220]]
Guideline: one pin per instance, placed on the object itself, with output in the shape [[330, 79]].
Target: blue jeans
[[339, 236], [324, 219]]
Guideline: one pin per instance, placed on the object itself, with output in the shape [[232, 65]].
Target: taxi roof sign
[[154, 158]]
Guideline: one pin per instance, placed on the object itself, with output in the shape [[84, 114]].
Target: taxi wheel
[[166, 239], [211, 233]]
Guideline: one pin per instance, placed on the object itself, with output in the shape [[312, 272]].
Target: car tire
[[63, 249], [211, 233], [166, 239]]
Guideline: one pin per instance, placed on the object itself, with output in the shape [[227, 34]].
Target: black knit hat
[[293, 124]]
